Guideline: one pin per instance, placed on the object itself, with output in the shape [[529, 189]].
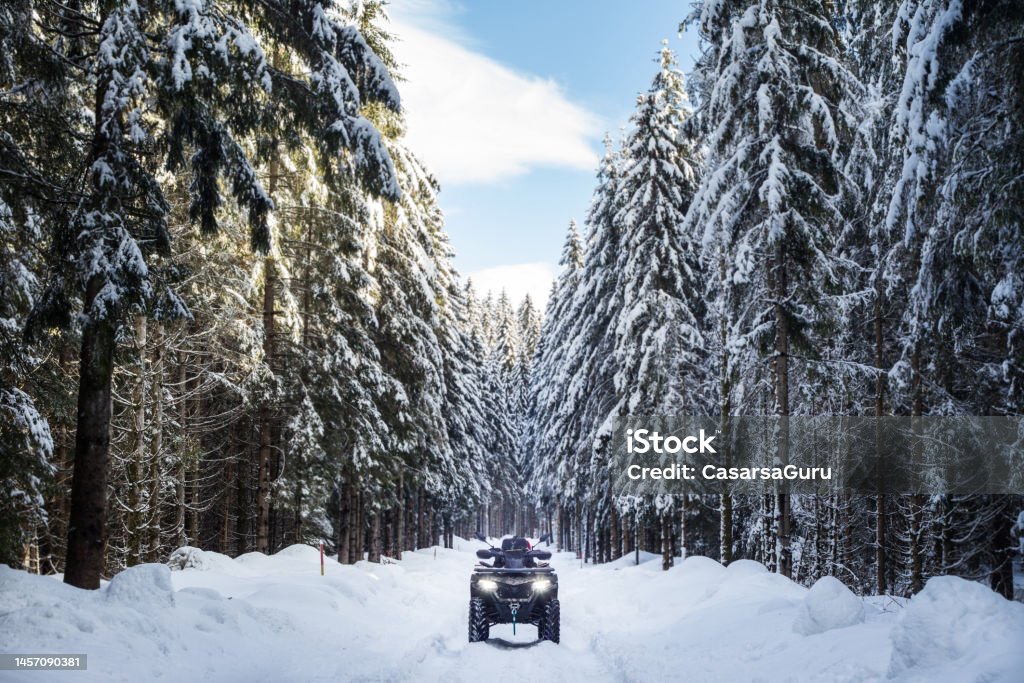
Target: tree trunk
[[86, 531], [193, 523], [374, 552], [881, 504], [666, 541], [424, 529], [725, 528], [410, 520], [265, 416], [156, 444], [58, 503], [684, 505], [916, 501], [627, 534], [614, 534], [725, 414], [399, 542], [134, 525], [560, 529], [782, 504], [589, 554], [243, 520], [297, 531], [578, 545], [182, 476], [265, 413], [636, 538], [87, 538], [225, 529], [435, 527], [448, 533], [767, 545], [344, 523], [1001, 547], [358, 540]]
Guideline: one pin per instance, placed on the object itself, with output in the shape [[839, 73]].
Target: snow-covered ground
[[259, 618]]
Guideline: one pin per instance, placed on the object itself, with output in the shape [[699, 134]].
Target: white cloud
[[473, 120], [518, 280]]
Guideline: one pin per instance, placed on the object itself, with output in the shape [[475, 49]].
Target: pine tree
[[659, 339], [213, 90], [864, 325], [585, 394], [954, 261], [660, 335], [547, 379], [26, 444], [776, 106]]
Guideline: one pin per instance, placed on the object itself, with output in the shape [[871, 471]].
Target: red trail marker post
[[321, 558]]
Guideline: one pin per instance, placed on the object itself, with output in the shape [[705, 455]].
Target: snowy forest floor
[[259, 618]]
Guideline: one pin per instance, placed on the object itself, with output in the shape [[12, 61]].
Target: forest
[[229, 316]]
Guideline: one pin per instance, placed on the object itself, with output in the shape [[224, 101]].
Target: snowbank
[[957, 630], [629, 560], [828, 605], [188, 557], [143, 587], [259, 618]]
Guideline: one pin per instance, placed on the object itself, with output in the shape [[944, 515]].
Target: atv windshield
[[515, 544]]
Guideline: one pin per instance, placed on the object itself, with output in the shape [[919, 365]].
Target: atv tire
[[479, 627], [548, 628]]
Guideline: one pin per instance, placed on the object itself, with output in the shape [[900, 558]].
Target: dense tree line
[[833, 226], [229, 313], [229, 317]]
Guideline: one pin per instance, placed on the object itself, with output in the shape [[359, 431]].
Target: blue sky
[[507, 102]]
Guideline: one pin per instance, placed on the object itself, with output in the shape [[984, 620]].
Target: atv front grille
[[515, 591]]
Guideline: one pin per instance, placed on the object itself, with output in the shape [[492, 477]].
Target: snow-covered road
[[259, 618]]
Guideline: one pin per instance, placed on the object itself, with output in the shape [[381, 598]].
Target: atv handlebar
[[488, 553]]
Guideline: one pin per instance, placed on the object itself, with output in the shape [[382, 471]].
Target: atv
[[517, 588]]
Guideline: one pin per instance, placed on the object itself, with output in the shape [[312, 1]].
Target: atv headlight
[[541, 585], [487, 585]]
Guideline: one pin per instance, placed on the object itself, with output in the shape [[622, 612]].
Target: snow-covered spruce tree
[[865, 333], [337, 28], [498, 426], [409, 317], [450, 478], [334, 432], [775, 100], [588, 369], [547, 381], [217, 379], [528, 325], [320, 340], [485, 320], [36, 102], [528, 321], [953, 204], [32, 103], [659, 346], [659, 343], [502, 371], [181, 84], [506, 338], [465, 410], [25, 441], [955, 209]]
